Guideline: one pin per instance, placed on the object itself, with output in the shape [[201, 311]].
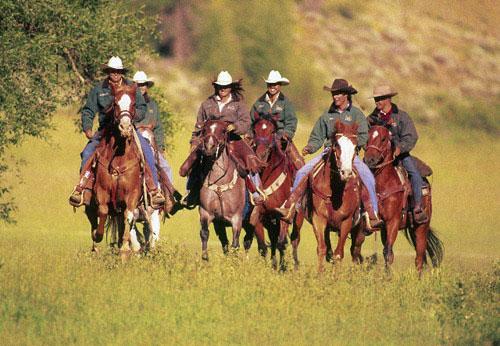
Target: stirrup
[[369, 225], [73, 202], [287, 214]]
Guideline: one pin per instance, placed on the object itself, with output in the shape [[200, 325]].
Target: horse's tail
[[434, 249]]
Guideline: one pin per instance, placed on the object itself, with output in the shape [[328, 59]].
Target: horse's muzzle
[[125, 127]]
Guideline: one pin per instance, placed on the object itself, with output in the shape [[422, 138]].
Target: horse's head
[[378, 146], [213, 137], [264, 130], [344, 141], [124, 108]]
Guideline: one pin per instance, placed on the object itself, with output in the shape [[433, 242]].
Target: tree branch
[[73, 65]]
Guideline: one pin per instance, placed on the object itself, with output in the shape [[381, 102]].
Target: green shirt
[[282, 112], [152, 117], [100, 98], [324, 126]]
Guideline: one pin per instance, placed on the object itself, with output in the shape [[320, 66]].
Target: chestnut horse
[[394, 202], [334, 196], [277, 180], [222, 195], [117, 188]]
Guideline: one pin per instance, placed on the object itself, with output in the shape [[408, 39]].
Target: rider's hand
[[88, 134], [230, 128], [306, 150], [397, 151]]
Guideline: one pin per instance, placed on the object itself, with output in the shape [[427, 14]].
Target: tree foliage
[[51, 52]]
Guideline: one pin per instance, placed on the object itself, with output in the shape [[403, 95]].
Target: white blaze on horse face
[[264, 126], [213, 127], [374, 134], [347, 149], [124, 103]]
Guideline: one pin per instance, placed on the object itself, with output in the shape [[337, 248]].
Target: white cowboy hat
[[140, 77], [383, 90], [224, 78], [275, 77], [114, 63]]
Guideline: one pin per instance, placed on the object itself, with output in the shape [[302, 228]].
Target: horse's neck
[[222, 169], [117, 148], [387, 175], [275, 164]]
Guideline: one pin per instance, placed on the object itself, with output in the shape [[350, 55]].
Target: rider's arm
[[242, 124], [290, 119], [89, 110], [140, 106], [158, 130], [200, 120], [362, 129], [318, 134], [407, 133]]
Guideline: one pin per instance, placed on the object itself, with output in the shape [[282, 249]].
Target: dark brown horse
[[277, 180], [222, 195], [393, 190], [117, 188], [334, 199]]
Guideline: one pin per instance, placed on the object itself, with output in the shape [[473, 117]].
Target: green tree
[[51, 52]]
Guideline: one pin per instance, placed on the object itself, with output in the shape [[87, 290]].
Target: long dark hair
[[236, 90]]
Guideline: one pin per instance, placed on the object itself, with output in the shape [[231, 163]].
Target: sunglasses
[[381, 98]]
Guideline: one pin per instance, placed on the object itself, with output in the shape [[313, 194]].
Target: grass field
[[53, 291]]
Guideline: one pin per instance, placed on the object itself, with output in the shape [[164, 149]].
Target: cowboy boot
[[192, 197], [288, 211], [156, 198], [419, 214], [372, 220], [83, 191]]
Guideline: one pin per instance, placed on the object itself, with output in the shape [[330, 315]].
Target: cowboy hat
[[383, 91], [114, 63], [140, 77], [341, 86], [223, 79], [275, 77]]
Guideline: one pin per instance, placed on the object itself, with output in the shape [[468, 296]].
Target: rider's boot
[[83, 191], [288, 211], [192, 197], [257, 197], [156, 198], [373, 222], [419, 214]]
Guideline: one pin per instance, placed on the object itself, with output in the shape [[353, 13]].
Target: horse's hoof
[[204, 256], [95, 250], [96, 237], [125, 255]]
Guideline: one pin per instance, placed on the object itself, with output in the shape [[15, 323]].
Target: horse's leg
[[345, 228], [134, 242], [392, 227], [102, 213], [154, 227], [357, 238], [236, 222], [319, 225], [205, 219], [249, 233], [283, 233], [91, 212], [220, 230], [261, 240], [272, 231], [295, 237], [328, 243], [421, 233], [128, 222]]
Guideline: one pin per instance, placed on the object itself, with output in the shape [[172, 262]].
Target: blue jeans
[[165, 167], [364, 173], [146, 149], [415, 178]]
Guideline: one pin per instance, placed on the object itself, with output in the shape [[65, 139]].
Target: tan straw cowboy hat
[[114, 63], [140, 77], [341, 86], [383, 91]]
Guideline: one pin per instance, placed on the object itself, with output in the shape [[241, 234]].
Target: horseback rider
[[342, 109], [276, 106], [100, 100], [403, 137], [226, 103]]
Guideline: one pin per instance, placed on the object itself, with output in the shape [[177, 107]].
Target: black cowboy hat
[[341, 86]]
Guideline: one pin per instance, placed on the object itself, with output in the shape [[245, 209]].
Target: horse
[[117, 188], [333, 201], [393, 192], [277, 180], [222, 195]]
